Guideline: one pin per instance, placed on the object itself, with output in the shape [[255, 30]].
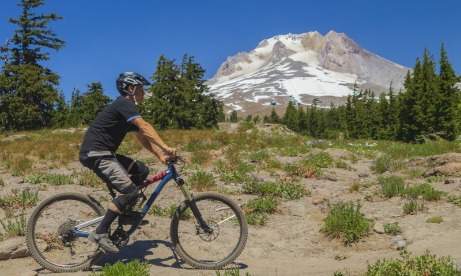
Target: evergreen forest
[[428, 108]]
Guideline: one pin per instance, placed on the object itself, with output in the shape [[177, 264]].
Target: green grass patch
[[426, 191], [202, 181], [132, 268], [290, 190], [318, 160], [19, 200], [456, 200], [53, 179], [267, 204], [434, 220], [382, 164], [426, 264], [392, 228], [231, 272], [14, 228], [412, 207], [391, 185], [345, 222]]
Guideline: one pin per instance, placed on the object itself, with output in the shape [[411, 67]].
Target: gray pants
[[118, 172]]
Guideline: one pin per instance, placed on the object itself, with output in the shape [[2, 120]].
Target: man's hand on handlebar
[[171, 152], [168, 155]]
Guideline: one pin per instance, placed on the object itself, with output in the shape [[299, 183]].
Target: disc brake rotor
[[209, 236]]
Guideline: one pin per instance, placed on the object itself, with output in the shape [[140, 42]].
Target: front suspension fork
[[193, 206]]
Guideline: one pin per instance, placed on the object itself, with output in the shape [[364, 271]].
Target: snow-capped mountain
[[300, 68]]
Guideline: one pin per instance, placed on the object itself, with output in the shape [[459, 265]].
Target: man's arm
[[151, 140]]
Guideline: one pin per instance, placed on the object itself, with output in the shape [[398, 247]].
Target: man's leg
[[115, 175]]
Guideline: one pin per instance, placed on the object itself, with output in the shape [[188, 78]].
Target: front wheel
[[50, 237], [217, 245]]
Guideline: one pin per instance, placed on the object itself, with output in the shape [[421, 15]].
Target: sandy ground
[[291, 243]]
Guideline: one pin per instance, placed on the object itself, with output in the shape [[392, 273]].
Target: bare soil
[[291, 242]]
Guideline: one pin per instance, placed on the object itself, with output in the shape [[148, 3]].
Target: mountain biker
[[101, 141]]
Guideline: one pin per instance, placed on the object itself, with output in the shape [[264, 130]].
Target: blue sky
[[106, 37]]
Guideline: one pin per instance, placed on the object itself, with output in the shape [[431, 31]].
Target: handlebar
[[175, 160]]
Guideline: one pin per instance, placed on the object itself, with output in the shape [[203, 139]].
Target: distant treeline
[[428, 108], [30, 97]]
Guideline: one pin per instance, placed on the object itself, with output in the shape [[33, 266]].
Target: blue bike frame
[[165, 176]]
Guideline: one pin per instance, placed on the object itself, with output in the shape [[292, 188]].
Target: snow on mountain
[[302, 67]]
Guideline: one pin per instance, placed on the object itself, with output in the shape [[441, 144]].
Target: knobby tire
[[47, 223], [209, 250]]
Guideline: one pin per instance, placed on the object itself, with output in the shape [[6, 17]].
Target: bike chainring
[[65, 233]]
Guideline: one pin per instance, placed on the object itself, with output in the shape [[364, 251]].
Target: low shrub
[[14, 228], [392, 228], [318, 160], [202, 181], [434, 220], [15, 200], [412, 207], [231, 272], [257, 219], [259, 156], [168, 212], [391, 185], [133, 268], [382, 164], [267, 204], [426, 264], [425, 190], [201, 157], [456, 200], [345, 221], [54, 179]]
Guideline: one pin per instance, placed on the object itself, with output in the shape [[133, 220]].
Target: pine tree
[[290, 119], [313, 120], [92, 102], [428, 96], [372, 119], [383, 131], [408, 102], [27, 89], [274, 117], [419, 103], [75, 119], [61, 115], [302, 119], [393, 115], [233, 117], [447, 114], [179, 97]]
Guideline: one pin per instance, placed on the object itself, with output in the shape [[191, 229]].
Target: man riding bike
[[103, 138]]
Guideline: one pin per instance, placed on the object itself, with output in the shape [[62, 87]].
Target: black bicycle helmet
[[129, 78]]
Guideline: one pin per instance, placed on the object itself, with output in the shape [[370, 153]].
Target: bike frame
[[165, 176]]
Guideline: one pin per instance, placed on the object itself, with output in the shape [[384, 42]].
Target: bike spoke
[[54, 241], [203, 248]]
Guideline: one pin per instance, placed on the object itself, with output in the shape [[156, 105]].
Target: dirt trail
[[291, 242]]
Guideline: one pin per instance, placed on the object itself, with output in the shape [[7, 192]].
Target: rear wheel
[[50, 239], [216, 246]]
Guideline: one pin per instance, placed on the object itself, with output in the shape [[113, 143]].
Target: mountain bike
[[208, 231]]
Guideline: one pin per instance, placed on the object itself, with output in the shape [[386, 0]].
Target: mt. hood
[[301, 68]]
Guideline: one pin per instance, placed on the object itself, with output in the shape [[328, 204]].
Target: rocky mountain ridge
[[300, 68]]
